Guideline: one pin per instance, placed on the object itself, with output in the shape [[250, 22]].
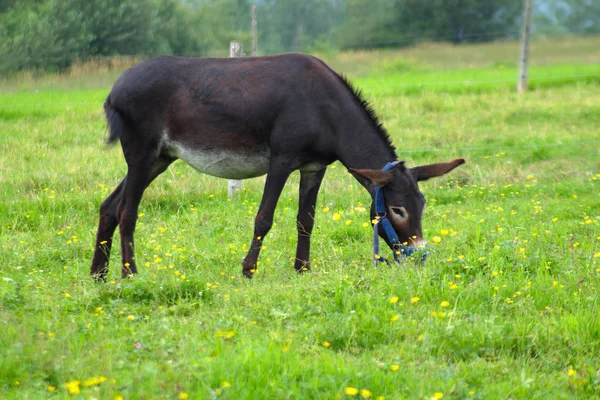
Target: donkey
[[240, 118]]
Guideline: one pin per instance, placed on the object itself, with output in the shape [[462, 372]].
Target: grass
[[446, 56], [505, 307]]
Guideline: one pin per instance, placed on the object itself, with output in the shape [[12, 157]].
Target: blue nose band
[[399, 250]]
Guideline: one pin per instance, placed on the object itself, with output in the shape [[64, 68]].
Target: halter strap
[[381, 218]]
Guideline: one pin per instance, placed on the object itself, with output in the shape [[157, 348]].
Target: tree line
[[52, 34]]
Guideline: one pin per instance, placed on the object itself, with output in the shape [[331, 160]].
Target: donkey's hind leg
[[138, 179], [110, 216], [106, 228]]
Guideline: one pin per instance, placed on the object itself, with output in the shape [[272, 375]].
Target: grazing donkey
[[240, 118]]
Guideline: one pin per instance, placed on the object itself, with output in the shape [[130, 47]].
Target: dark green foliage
[[52, 34], [46, 35], [382, 23], [368, 24], [287, 25], [460, 20]]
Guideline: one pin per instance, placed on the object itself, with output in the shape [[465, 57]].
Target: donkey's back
[[220, 115]]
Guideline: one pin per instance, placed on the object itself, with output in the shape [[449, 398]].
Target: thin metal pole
[[524, 59], [234, 185], [254, 33]]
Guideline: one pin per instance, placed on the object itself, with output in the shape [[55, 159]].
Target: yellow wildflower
[[73, 387], [225, 334], [350, 391], [94, 381]]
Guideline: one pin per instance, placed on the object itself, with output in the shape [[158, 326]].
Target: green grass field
[[507, 306]]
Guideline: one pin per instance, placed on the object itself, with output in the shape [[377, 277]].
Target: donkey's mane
[[370, 112]]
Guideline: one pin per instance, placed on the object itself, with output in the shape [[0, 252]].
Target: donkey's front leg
[[310, 182], [276, 179]]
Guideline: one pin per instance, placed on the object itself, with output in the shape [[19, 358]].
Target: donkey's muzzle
[[403, 251]]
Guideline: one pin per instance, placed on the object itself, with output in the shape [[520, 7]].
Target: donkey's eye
[[400, 211]]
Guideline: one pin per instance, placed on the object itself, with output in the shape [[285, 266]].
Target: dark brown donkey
[[240, 118]]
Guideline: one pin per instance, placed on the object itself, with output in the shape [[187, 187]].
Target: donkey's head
[[404, 202]]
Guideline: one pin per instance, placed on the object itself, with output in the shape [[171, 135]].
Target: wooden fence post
[[234, 185], [524, 59]]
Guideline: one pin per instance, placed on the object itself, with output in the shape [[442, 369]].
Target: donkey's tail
[[116, 124]]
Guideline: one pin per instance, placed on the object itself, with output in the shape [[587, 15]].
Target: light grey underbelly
[[224, 163]]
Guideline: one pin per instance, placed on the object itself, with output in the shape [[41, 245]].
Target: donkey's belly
[[238, 164]]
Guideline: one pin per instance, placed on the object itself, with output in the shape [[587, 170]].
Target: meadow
[[506, 306]]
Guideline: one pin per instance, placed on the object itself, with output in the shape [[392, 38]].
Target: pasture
[[505, 307]]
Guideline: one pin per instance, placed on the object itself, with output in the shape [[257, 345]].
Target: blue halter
[[398, 248]]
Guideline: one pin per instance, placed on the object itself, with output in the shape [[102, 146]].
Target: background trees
[[51, 34]]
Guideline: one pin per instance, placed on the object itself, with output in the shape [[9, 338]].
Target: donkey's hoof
[[98, 277], [302, 266], [248, 273], [98, 274]]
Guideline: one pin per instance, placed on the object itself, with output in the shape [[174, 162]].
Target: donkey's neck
[[362, 145]]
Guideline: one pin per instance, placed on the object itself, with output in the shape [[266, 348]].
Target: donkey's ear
[[424, 172], [371, 176]]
